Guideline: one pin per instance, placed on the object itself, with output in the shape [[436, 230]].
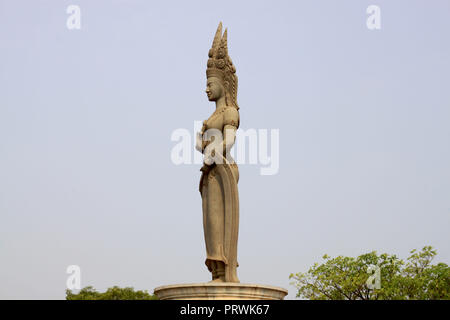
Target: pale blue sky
[[86, 118]]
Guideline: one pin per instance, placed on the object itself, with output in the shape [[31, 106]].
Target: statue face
[[214, 88]]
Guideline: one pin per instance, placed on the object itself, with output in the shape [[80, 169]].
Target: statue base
[[220, 291]]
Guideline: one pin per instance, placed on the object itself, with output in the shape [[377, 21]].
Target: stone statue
[[219, 191], [220, 175]]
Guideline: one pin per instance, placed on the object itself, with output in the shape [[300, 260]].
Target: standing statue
[[220, 175], [219, 191]]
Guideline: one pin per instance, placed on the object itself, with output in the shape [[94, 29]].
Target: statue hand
[[205, 169], [199, 145], [209, 160]]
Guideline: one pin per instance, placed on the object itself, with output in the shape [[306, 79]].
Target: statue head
[[214, 88], [220, 71]]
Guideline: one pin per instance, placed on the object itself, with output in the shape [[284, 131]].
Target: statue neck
[[220, 103]]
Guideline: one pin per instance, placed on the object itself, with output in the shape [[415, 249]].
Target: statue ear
[[226, 84]]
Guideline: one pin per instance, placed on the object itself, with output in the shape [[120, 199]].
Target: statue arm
[[229, 137], [231, 124], [200, 144]]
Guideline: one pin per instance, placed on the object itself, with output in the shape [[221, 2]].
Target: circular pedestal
[[220, 291]]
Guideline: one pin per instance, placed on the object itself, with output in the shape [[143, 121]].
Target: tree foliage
[[114, 293], [345, 278]]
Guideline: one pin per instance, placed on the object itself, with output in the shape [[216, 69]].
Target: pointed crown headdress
[[220, 65]]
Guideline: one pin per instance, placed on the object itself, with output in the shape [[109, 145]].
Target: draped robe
[[220, 202]]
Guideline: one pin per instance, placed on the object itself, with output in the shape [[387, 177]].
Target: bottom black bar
[[187, 310]]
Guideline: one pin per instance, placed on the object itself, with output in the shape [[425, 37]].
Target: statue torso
[[215, 121]]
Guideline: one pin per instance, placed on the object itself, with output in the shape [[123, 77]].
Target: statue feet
[[218, 271]]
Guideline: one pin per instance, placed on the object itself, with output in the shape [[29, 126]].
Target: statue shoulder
[[231, 117]]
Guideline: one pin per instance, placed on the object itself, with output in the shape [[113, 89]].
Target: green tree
[[345, 278], [114, 293]]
